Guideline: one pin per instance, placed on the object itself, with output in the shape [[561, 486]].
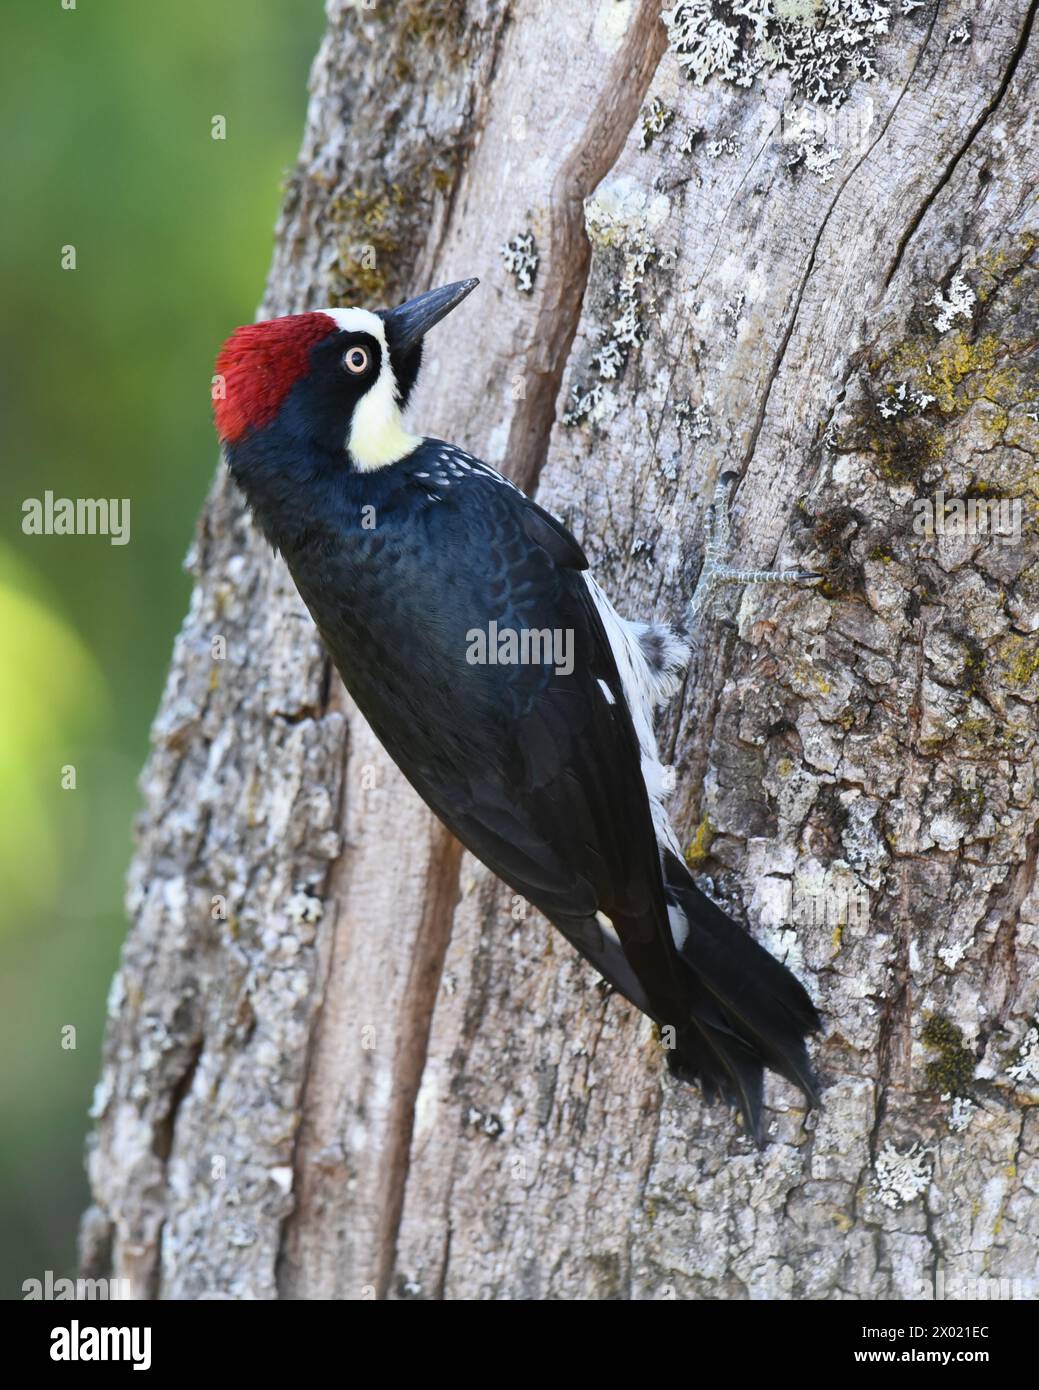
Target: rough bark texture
[[377, 1073]]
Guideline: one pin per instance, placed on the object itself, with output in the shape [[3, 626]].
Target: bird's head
[[331, 380]]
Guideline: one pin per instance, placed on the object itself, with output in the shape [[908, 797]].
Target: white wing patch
[[458, 459], [453, 464]]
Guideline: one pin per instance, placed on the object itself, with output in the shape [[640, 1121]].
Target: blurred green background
[[106, 114]]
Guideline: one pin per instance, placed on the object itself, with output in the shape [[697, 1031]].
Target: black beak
[[407, 323]]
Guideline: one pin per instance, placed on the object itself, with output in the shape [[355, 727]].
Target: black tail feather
[[747, 1010]]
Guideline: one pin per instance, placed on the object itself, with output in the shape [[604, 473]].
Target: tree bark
[[342, 1061]]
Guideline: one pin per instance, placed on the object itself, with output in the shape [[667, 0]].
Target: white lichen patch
[[958, 304], [706, 45], [812, 153], [656, 117], [625, 332], [521, 260], [961, 1114], [689, 138], [484, 1122], [301, 907], [732, 310], [952, 953], [1025, 1069], [583, 404], [823, 44], [693, 421], [622, 212], [899, 1178], [727, 146], [904, 400], [620, 217]]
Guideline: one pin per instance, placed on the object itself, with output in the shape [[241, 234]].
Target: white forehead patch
[[377, 434], [358, 321]]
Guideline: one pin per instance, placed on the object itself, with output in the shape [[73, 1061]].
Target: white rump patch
[[667, 656], [650, 659], [377, 434], [644, 688]]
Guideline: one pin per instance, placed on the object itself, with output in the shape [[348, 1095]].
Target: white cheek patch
[[377, 434]]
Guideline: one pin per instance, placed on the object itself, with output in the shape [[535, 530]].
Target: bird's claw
[[716, 572]]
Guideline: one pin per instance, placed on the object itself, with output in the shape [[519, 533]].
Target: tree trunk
[[342, 1060]]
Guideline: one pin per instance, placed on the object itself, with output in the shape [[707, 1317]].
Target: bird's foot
[[716, 572]]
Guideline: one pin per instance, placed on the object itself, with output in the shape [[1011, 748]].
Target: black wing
[[534, 767]]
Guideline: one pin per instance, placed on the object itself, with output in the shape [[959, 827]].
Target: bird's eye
[[356, 360]]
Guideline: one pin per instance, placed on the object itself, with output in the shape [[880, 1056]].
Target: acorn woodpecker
[[498, 676]]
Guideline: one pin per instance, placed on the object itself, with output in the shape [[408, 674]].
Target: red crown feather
[[258, 367]]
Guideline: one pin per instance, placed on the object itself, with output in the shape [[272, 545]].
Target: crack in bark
[[569, 253], [1008, 898], [323, 973], [442, 1276], [896, 1016], [785, 340], [975, 130], [163, 1135], [418, 1004]]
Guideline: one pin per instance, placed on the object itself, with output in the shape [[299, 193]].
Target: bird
[[470, 633]]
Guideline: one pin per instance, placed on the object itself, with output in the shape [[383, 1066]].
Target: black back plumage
[[536, 771]]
